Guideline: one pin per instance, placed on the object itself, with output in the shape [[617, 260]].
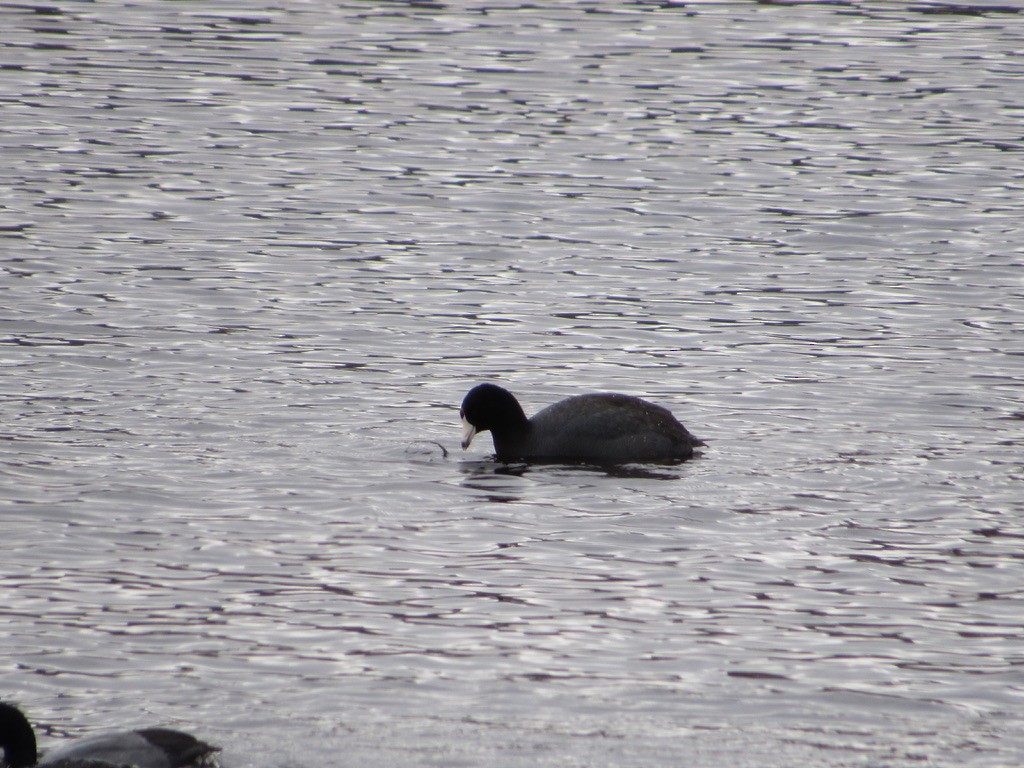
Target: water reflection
[[556, 470], [489, 477]]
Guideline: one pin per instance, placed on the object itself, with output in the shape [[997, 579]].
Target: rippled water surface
[[254, 255]]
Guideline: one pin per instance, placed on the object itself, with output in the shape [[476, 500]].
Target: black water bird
[[602, 428], [144, 748]]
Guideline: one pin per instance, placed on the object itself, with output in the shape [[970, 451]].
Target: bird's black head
[[17, 742], [490, 407]]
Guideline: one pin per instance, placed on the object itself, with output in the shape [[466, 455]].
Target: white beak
[[468, 431]]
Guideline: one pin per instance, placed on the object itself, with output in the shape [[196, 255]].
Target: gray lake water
[[254, 255]]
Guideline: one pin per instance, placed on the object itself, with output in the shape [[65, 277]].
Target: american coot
[[600, 428], [145, 748]]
